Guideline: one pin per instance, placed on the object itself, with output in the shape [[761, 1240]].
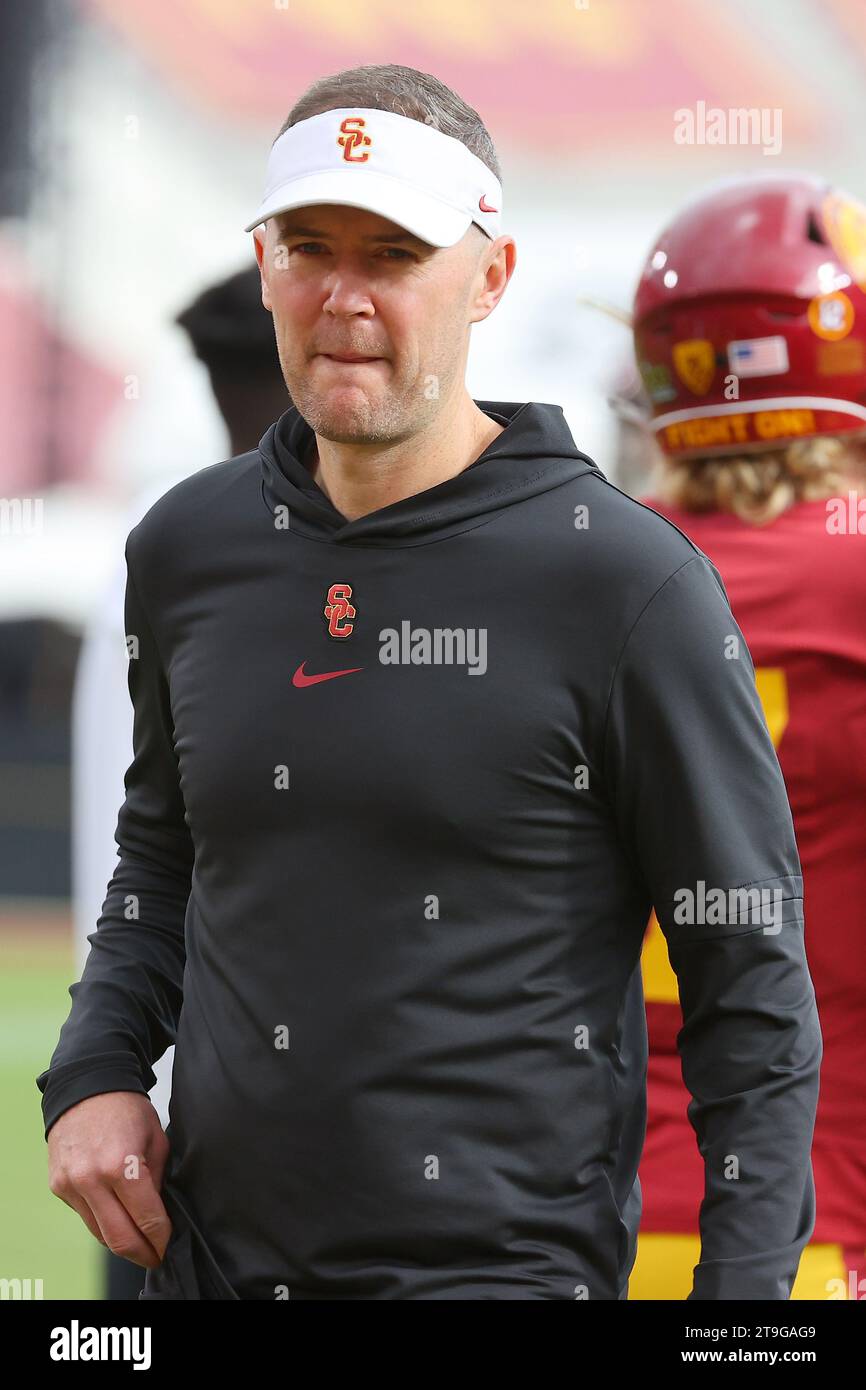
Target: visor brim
[[417, 212]]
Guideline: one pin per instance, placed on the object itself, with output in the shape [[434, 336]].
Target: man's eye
[[391, 252]]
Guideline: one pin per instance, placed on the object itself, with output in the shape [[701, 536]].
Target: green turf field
[[40, 1237]]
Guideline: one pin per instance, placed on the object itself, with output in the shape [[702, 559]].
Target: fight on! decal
[[339, 611], [742, 427], [798, 418]]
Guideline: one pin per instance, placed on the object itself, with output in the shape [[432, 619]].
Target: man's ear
[[498, 262], [259, 244]]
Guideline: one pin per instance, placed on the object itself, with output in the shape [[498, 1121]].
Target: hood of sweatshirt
[[534, 453]]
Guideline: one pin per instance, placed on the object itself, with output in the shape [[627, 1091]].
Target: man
[[756, 358], [428, 715], [232, 336]]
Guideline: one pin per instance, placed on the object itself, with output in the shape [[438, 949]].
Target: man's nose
[[348, 292]]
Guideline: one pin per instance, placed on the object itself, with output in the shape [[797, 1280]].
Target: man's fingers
[[119, 1230], [141, 1199]]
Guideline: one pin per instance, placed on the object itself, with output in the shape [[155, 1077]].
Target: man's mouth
[[349, 357]]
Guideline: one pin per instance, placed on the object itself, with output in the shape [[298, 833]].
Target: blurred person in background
[[232, 335], [750, 335]]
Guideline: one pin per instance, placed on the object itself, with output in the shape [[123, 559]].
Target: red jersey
[[798, 592]]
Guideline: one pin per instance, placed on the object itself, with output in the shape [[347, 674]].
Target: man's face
[[345, 281]]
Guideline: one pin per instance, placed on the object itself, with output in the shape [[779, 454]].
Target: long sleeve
[[126, 1006], [701, 806]]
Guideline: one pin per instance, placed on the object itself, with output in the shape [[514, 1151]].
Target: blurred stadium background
[[132, 150]]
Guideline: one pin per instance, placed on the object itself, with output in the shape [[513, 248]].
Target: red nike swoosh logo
[[484, 206], [300, 678]]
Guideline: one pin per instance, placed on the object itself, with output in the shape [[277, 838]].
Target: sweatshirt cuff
[[767, 1277], [75, 1081]]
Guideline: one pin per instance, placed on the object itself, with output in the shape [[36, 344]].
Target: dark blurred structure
[[37, 666], [23, 35]]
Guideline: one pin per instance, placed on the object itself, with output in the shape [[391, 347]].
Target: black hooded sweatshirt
[[392, 917]]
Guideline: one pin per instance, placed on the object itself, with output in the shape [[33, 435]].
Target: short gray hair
[[405, 92]]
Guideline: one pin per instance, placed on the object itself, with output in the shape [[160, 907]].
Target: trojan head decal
[[695, 364]]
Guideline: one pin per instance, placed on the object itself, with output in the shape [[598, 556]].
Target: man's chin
[[354, 418]]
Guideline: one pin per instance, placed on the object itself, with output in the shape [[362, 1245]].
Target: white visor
[[425, 181]]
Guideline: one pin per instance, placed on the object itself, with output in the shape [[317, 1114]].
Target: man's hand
[[106, 1157]]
